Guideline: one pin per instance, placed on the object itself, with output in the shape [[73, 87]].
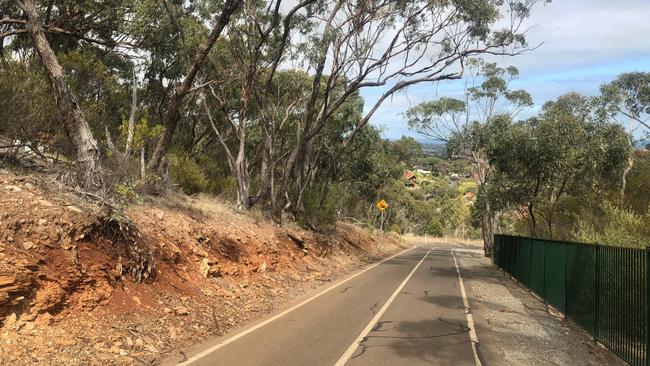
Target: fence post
[[530, 263], [597, 293], [647, 305], [566, 280], [544, 275]]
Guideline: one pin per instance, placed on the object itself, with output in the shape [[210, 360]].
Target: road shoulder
[[514, 327]]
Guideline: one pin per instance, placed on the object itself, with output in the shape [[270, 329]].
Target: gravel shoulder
[[515, 328]]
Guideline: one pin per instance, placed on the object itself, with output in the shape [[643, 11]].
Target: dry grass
[[415, 239], [202, 204]]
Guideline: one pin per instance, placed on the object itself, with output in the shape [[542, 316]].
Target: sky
[[584, 43]]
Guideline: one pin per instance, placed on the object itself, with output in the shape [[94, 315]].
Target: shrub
[[395, 228], [188, 174], [621, 228], [225, 187], [316, 215]]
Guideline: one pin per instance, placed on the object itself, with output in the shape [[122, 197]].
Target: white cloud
[[585, 43]]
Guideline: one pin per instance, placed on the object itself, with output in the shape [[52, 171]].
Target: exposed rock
[[200, 252], [7, 280], [181, 310], [27, 245], [66, 341], [45, 203], [44, 319], [151, 348], [13, 188], [10, 321], [74, 209], [209, 268], [28, 327], [262, 267], [49, 296]]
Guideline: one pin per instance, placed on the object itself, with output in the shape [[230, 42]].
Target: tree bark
[[533, 220], [134, 105], [171, 117], [243, 184], [487, 229], [74, 123], [142, 165], [487, 219], [630, 165]]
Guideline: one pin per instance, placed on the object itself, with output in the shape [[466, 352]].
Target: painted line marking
[[245, 332], [353, 347], [463, 250], [470, 319]]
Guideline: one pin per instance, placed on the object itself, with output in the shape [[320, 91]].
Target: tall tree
[[180, 92], [459, 124], [245, 93], [396, 44], [72, 117], [628, 98], [566, 150]]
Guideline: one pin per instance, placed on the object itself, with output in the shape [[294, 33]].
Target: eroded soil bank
[[73, 287]]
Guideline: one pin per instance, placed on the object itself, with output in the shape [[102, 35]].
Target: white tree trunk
[[134, 104]]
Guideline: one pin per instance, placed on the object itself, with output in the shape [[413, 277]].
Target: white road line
[[235, 337], [470, 319], [463, 250], [353, 347]]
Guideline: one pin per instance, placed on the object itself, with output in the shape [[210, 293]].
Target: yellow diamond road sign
[[382, 205]]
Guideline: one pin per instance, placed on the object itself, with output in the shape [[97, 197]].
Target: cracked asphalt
[[381, 316], [425, 324]]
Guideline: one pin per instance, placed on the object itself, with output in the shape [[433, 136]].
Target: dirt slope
[[68, 281]]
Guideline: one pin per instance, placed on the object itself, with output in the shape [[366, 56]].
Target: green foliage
[[143, 133], [318, 214], [124, 196], [226, 187], [188, 174], [566, 150], [556, 167], [617, 226], [407, 149], [456, 121], [628, 97], [26, 92], [637, 196]]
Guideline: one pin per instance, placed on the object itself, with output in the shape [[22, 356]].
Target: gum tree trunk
[[173, 114], [74, 123]]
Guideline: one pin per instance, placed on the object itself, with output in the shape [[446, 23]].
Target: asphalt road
[[407, 310]]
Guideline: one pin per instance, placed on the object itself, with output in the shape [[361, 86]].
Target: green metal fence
[[604, 289]]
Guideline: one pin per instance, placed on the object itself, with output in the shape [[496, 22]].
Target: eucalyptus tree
[[460, 124], [393, 45], [248, 94], [182, 89], [72, 117], [567, 150], [628, 98], [62, 27]]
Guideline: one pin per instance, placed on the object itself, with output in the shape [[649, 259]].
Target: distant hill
[[434, 148], [643, 144]]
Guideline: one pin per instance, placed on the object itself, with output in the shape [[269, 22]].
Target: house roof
[[409, 175]]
